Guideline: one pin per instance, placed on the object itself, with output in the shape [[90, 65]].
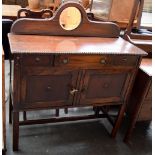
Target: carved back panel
[[52, 26]]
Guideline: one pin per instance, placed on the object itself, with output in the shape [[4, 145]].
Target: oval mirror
[[70, 18]]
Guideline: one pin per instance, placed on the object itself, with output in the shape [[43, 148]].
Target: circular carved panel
[[70, 18]]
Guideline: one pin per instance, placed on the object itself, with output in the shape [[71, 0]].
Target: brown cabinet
[[56, 68], [61, 80], [73, 80]]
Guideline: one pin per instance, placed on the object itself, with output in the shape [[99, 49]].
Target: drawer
[[123, 60], [89, 61], [38, 60]]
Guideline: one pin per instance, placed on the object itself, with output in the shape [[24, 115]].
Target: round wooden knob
[[49, 88], [106, 85], [103, 61], [124, 59], [37, 59], [65, 61], [18, 57]]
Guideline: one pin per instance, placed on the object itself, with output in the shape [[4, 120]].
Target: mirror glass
[[70, 18]]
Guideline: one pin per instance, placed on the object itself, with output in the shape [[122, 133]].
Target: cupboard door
[[48, 87], [100, 87]]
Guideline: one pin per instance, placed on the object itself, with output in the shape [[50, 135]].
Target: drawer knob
[[18, 57], [103, 61], [105, 85], [65, 61], [73, 91], [37, 59], [124, 59], [49, 88]]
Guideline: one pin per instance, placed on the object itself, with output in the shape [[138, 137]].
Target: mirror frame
[[77, 22]]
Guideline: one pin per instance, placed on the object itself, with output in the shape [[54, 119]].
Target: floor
[[89, 137]]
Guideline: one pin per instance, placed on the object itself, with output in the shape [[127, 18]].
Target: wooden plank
[[71, 45], [61, 119]]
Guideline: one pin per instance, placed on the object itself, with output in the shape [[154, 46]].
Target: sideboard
[[57, 68]]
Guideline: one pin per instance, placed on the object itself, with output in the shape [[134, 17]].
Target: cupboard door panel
[[48, 88], [100, 87], [41, 89]]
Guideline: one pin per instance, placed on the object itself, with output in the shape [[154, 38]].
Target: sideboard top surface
[[32, 44]]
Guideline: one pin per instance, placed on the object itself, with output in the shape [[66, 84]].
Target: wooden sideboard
[[44, 79], [57, 68]]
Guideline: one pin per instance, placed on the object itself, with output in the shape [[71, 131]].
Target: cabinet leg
[[129, 131], [66, 110], [57, 113], [118, 121], [15, 130], [132, 121], [96, 110], [24, 116], [10, 99], [10, 109]]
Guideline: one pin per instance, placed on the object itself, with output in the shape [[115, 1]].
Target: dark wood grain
[[52, 27], [77, 69], [49, 85], [15, 137], [71, 45]]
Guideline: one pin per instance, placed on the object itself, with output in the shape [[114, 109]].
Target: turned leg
[[24, 116], [118, 121], [66, 110], [57, 113], [15, 130]]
